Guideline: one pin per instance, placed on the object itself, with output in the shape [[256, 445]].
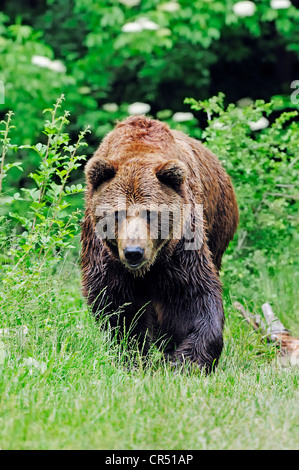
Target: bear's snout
[[134, 255], [135, 246]]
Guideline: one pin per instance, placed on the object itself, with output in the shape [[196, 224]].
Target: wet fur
[[181, 288]]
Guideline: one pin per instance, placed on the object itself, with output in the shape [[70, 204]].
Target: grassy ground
[[65, 385]]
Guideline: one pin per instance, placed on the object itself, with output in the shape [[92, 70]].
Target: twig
[[287, 196], [249, 317], [287, 185], [274, 325], [241, 239]]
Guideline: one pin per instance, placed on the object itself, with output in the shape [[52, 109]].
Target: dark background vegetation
[[199, 49]]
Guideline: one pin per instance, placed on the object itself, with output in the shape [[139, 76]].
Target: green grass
[[78, 392]]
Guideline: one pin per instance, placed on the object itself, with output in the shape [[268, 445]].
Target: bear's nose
[[134, 255]]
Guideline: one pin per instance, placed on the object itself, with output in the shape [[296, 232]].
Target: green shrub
[[36, 220], [261, 155]]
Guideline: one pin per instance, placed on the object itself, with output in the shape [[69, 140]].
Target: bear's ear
[[173, 173], [98, 171]]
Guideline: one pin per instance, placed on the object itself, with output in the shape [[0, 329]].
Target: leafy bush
[[29, 87], [260, 154], [43, 226]]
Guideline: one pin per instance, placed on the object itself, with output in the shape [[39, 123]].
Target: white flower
[[280, 4], [182, 117], [170, 6], [130, 3], [139, 25], [45, 62], [145, 23], [131, 27], [262, 123], [244, 8], [40, 61], [110, 107], [139, 108], [219, 125], [57, 66]]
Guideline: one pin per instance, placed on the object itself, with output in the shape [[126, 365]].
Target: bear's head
[[136, 192]]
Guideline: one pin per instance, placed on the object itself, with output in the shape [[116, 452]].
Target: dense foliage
[[264, 165], [104, 55]]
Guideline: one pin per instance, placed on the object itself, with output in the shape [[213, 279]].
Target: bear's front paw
[[180, 363]]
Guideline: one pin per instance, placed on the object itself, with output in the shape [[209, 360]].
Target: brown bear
[[166, 272]]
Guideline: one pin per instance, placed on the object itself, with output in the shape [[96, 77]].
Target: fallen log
[[273, 329]]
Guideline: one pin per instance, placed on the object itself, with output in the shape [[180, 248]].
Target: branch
[[273, 328]]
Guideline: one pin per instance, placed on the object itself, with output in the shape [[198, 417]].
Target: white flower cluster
[[110, 107], [170, 6], [130, 3], [182, 117], [280, 4], [139, 108], [248, 8], [262, 123], [45, 62], [139, 25], [244, 8], [219, 125]]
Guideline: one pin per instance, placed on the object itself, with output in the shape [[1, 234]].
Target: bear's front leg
[[190, 311], [203, 343], [195, 331]]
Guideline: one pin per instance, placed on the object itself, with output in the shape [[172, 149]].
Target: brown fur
[[144, 162]]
